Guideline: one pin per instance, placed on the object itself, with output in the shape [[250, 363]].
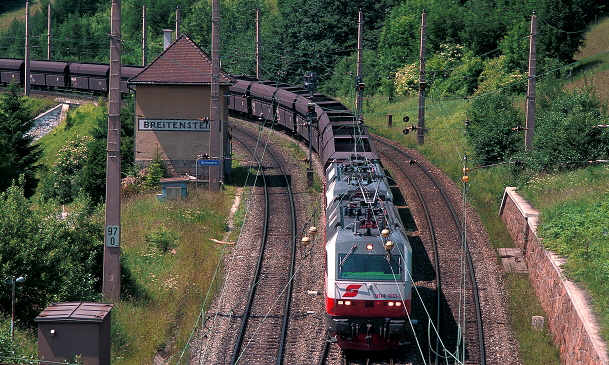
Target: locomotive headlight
[[347, 302], [390, 304], [397, 304], [370, 246], [340, 302]]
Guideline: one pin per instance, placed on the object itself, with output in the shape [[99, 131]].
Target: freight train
[[368, 257], [64, 75]]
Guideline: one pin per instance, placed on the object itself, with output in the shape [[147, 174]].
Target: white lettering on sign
[[113, 236], [192, 125]]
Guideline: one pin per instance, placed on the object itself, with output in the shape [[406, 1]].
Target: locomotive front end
[[368, 261]]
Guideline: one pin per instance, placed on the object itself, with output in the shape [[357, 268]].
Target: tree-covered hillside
[[321, 35]]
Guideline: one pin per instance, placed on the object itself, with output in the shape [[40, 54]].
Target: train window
[[369, 267]]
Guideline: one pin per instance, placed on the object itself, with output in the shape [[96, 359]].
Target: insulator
[[385, 233], [312, 230], [465, 178], [305, 241], [389, 245]]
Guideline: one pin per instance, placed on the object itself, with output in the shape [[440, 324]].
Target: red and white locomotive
[[368, 259]]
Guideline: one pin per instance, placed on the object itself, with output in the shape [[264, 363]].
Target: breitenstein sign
[[186, 125]]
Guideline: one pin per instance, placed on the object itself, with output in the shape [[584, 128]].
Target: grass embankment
[[173, 269], [445, 146], [169, 263], [80, 122], [18, 13]]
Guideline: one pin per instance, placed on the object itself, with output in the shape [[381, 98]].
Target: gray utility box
[[75, 331]]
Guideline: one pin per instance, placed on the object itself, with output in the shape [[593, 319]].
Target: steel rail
[[461, 230], [250, 299], [286, 314]]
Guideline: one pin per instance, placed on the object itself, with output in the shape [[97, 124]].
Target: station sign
[[186, 125], [209, 162]]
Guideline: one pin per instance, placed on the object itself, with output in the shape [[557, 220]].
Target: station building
[[172, 112]]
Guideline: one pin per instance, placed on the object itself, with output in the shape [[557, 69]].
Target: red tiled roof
[[183, 62]]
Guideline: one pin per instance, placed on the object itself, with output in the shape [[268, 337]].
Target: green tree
[[60, 257], [313, 35], [491, 119], [400, 37], [564, 133], [342, 82], [155, 172], [64, 181], [21, 156]]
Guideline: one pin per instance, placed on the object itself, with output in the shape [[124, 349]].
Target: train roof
[[11, 63], [89, 69], [49, 66]]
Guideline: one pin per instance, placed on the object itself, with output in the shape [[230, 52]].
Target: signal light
[[370, 246], [411, 128]]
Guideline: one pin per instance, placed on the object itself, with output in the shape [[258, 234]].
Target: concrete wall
[[568, 311]]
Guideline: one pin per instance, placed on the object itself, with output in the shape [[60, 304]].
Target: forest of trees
[[321, 36]]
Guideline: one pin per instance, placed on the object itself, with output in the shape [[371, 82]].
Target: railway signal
[[309, 81], [359, 84], [408, 129], [311, 121]]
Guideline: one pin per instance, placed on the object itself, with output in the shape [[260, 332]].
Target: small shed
[[174, 188], [75, 330]]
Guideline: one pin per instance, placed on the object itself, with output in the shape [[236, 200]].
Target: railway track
[[448, 290], [263, 329], [305, 341], [303, 325]]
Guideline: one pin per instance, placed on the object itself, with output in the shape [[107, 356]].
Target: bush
[[492, 117], [162, 238], [564, 137]]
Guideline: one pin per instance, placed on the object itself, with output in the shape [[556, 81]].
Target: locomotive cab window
[[369, 267]]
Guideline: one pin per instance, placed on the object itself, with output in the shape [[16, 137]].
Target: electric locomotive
[[368, 259]]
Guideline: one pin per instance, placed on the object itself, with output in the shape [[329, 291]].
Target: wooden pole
[[49, 32], [26, 76], [360, 52], [421, 122], [258, 73], [144, 35], [215, 140], [530, 102], [111, 284], [178, 20]]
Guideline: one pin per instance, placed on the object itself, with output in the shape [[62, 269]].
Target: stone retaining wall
[[570, 318]]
